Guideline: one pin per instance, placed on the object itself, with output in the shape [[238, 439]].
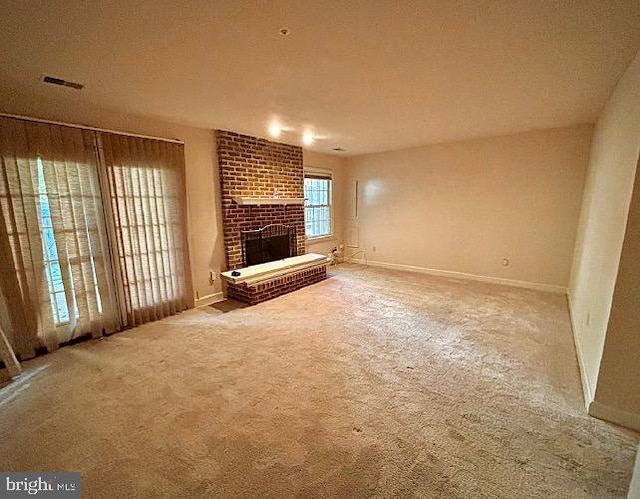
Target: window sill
[[320, 239]]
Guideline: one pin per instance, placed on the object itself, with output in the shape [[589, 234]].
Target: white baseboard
[[617, 416], [587, 391], [462, 275], [209, 299]]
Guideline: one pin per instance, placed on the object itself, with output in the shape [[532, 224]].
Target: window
[[148, 246], [52, 268], [146, 186], [317, 204], [53, 271]]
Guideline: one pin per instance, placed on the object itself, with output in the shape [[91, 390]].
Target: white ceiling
[[365, 75]]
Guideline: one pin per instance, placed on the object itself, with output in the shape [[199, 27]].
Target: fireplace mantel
[[256, 201]]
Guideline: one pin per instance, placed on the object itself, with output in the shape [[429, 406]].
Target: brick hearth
[[264, 291]]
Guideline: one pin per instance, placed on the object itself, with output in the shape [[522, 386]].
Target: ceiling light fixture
[[284, 31], [307, 138], [275, 130]]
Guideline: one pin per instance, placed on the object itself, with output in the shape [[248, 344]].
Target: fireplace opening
[[270, 243]]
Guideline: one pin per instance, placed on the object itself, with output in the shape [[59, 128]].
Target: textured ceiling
[[364, 75]]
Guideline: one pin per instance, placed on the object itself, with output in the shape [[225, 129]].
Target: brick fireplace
[[262, 187], [255, 167]]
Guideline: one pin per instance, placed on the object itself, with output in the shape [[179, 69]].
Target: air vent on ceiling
[[63, 83], [339, 149]]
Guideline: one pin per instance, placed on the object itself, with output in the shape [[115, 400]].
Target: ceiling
[[364, 75]]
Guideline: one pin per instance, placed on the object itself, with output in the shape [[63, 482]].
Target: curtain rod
[[84, 127]]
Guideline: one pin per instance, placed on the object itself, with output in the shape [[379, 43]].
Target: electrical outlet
[[212, 278], [506, 262]]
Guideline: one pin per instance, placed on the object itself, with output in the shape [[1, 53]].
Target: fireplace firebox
[[270, 243]]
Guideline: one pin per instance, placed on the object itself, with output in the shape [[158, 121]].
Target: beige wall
[[603, 219], [337, 166], [618, 384], [465, 206], [204, 222]]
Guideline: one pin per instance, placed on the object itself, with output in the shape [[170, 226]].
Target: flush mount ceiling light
[[307, 138], [284, 31], [275, 129]]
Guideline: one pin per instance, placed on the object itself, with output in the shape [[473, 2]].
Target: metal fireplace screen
[[273, 242]]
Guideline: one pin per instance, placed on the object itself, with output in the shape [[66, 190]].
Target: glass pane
[[63, 310], [56, 277], [95, 281], [323, 197], [50, 249], [310, 191]]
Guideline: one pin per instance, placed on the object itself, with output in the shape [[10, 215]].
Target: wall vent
[[62, 83]]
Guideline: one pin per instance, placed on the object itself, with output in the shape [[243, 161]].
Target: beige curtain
[[56, 278], [22, 279], [147, 190]]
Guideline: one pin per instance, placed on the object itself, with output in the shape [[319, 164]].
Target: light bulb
[[274, 130], [307, 138]]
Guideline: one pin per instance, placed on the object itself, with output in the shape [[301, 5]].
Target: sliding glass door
[[59, 283], [91, 232]]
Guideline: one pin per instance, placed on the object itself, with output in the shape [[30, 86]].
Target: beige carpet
[[372, 383]]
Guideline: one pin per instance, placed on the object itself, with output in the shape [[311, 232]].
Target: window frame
[[328, 175]]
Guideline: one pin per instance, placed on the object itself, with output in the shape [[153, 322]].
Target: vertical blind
[[91, 232], [146, 183]]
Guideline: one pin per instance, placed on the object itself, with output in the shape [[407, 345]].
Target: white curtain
[[56, 279], [147, 191]]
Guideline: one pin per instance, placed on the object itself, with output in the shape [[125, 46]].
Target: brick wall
[[251, 166]]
